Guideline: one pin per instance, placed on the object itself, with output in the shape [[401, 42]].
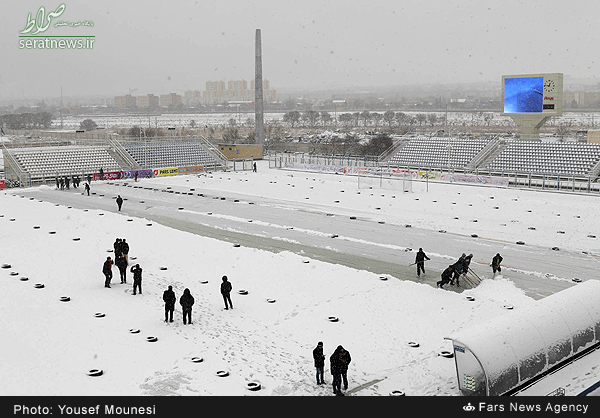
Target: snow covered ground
[[50, 345]]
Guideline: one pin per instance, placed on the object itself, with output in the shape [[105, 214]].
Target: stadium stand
[[437, 152], [170, 154], [47, 162], [547, 158]]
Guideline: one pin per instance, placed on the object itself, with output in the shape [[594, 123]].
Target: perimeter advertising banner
[[160, 172], [2, 184]]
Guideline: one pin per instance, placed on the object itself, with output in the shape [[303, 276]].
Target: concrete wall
[[235, 151]]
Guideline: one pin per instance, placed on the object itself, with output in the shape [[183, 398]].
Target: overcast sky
[[154, 46]]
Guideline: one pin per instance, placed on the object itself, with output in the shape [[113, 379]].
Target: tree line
[[389, 118], [27, 120]]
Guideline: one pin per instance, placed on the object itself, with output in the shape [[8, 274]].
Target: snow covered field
[[50, 345]]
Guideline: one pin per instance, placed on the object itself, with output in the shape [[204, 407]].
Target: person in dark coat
[[119, 202], [335, 363], [254, 167], [122, 265], [420, 261], [225, 291], [62, 183], [57, 183], [345, 360], [496, 263], [67, 180], [137, 278], [466, 263], [319, 362], [187, 301], [458, 268], [135, 176], [101, 174], [107, 270], [117, 247], [87, 188], [125, 250], [169, 299], [446, 276]]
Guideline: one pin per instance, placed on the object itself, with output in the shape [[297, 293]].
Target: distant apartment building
[[149, 101], [125, 102], [581, 98], [192, 97], [171, 99], [237, 90]]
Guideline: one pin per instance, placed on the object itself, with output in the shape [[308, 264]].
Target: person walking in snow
[[420, 261], [107, 270], [122, 265], [119, 202], [225, 291], [169, 298], [496, 263], [319, 358], [137, 278], [87, 188], [446, 276], [187, 301], [254, 167], [335, 366]]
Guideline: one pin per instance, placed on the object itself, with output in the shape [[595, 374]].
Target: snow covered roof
[[516, 347]]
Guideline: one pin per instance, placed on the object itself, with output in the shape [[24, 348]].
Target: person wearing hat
[[169, 298], [466, 263], [107, 270], [319, 362], [420, 261], [225, 291], [137, 278], [335, 362], [496, 263], [186, 301]]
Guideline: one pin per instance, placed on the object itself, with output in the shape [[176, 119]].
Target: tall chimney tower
[[259, 134]]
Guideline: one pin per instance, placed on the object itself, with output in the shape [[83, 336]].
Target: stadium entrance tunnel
[[514, 350]]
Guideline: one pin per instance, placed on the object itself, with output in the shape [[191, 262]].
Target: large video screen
[[524, 95]]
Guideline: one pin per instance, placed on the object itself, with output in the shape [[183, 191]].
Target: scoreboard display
[[533, 93]]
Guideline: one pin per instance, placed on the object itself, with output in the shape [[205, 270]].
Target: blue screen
[[523, 95]]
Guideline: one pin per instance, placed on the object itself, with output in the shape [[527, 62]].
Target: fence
[[369, 167]]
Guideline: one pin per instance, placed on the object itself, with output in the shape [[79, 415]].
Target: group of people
[[187, 301], [339, 361], [121, 250], [453, 272], [64, 182]]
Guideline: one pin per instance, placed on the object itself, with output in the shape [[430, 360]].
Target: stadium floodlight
[[531, 99]]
